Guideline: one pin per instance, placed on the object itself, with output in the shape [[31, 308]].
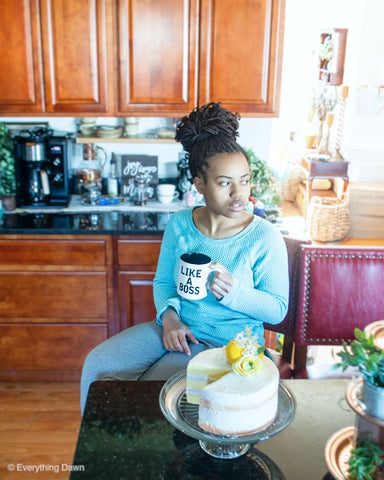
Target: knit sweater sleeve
[[164, 286], [267, 298]]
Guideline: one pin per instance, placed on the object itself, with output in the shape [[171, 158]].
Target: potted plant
[[368, 358], [264, 185], [365, 459], [7, 169]]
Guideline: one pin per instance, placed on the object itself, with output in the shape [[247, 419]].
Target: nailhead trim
[[309, 257]]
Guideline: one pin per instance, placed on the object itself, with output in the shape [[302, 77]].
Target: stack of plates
[[106, 131]]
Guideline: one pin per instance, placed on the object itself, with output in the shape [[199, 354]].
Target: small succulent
[[365, 355], [365, 459]]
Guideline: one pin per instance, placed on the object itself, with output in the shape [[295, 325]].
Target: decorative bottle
[[113, 186]]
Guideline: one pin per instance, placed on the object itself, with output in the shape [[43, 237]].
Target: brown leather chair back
[[287, 326], [340, 288]]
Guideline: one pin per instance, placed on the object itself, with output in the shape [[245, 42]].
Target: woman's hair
[[208, 131]]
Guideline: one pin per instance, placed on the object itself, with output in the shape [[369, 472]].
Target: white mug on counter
[[193, 275], [166, 192]]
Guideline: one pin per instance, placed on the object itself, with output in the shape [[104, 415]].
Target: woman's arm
[[164, 286], [267, 299]]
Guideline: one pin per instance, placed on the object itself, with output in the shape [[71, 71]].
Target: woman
[[249, 280]]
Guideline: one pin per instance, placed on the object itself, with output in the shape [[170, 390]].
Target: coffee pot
[[89, 179], [34, 166]]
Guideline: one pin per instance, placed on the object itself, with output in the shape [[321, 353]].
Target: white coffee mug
[[167, 198], [166, 189], [193, 275]]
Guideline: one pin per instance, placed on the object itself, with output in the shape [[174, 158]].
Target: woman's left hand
[[221, 281]]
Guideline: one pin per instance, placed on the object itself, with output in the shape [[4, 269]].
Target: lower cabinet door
[[52, 352], [72, 296], [136, 303]]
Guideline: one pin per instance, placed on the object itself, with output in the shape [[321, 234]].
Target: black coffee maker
[[41, 168]]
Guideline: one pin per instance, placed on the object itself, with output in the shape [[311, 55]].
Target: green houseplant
[[7, 168], [368, 358], [365, 459], [264, 185], [363, 354]]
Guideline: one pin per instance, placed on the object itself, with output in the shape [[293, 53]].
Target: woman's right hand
[[175, 333]]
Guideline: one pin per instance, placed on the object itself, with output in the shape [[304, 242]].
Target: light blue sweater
[[257, 260]]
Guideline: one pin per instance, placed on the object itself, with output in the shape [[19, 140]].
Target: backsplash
[[254, 133]]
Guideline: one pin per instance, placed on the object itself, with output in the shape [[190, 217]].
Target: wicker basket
[[291, 181], [328, 219]]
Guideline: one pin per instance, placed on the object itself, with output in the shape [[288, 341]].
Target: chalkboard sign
[[145, 166]]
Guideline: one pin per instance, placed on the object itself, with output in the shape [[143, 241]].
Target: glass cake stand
[[184, 416]]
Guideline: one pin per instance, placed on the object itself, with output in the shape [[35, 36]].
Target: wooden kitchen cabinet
[[77, 52], [136, 266], [136, 58], [21, 75], [56, 304], [62, 295], [56, 56], [231, 51], [241, 54], [157, 50]]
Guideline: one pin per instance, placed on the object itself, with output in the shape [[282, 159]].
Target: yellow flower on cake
[[247, 366], [243, 353]]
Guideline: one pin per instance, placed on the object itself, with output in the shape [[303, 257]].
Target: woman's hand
[[221, 282], [175, 333]]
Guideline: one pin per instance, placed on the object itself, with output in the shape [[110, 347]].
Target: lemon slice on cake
[[233, 351]]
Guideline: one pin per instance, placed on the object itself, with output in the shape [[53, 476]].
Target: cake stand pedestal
[[184, 416]]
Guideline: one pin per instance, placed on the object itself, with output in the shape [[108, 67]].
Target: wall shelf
[[81, 139]]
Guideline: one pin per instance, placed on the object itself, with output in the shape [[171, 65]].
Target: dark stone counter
[[102, 223], [124, 435]]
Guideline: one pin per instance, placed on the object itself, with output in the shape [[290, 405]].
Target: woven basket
[[291, 181], [328, 219]]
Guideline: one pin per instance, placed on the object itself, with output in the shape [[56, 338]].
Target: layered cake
[[237, 393], [205, 368]]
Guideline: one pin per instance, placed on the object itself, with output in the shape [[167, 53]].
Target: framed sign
[[145, 166]]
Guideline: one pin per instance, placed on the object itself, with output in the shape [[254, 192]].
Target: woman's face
[[227, 186]]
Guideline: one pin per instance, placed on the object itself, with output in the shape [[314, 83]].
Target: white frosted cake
[[205, 368], [237, 398]]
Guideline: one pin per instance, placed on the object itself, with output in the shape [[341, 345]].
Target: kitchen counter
[[103, 223], [78, 219]]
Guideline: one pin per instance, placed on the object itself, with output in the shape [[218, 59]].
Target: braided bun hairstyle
[[208, 131]]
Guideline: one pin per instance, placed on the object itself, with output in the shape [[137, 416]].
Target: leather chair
[[340, 288], [287, 326]]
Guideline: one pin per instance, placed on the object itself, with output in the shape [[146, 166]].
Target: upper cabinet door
[[157, 52], [241, 53], [21, 87], [75, 52]]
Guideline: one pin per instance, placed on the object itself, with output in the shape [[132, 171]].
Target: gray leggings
[[135, 354]]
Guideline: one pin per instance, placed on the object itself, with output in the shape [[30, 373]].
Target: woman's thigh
[[128, 354], [173, 362]]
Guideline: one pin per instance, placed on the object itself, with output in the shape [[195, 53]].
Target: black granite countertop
[[102, 223], [124, 435], [80, 219]]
